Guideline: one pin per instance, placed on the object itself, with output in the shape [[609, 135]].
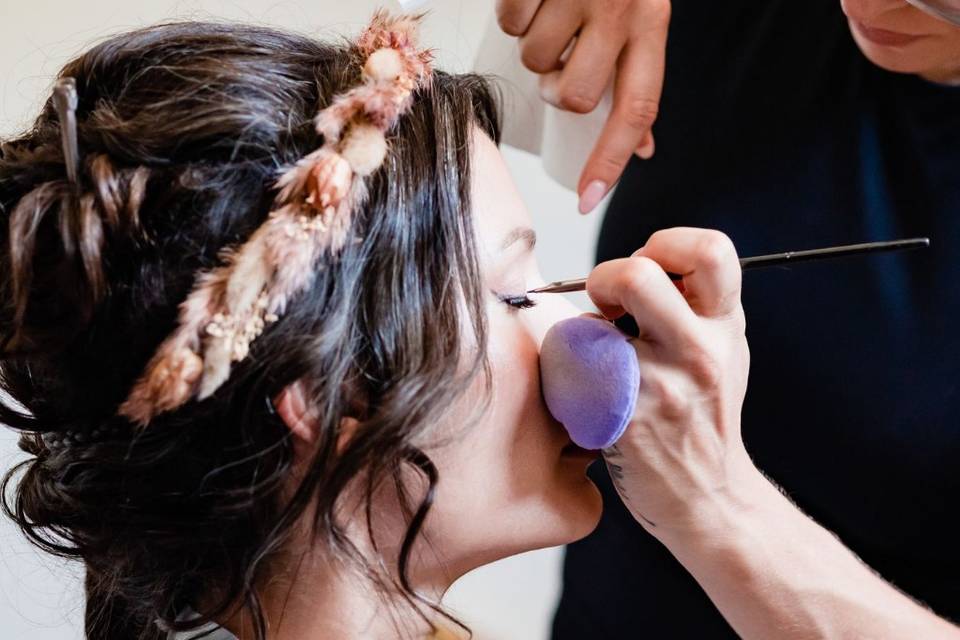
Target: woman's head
[[402, 362], [900, 37]]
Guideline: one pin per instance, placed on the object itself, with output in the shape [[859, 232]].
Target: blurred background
[[40, 597]]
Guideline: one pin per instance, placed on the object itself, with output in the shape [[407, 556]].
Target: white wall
[[40, 598]]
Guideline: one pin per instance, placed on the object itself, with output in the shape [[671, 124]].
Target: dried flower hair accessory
[[231, 305]]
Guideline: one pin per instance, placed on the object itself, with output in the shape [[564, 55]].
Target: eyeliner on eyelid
[[520, 301]]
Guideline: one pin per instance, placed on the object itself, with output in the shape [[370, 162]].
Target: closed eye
[[517, 301]]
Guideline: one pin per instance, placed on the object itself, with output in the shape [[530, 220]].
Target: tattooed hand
[[682, 455]]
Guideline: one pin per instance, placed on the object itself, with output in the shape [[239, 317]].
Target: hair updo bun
[[182, 129]]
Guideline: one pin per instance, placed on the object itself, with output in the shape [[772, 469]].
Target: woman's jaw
[[510, 481]]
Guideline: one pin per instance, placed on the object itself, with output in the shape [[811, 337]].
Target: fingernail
[[592, 196]]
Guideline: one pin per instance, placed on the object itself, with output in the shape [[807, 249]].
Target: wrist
[[735, 548], [746, 505]]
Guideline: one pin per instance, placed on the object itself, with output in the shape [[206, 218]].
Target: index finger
[[636, 101], [640, 287], [708, 262]]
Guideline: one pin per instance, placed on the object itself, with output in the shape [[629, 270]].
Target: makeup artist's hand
[[622, 40], [682, 457], [682, 470]]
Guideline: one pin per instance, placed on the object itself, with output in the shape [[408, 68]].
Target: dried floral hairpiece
[[231, 304]]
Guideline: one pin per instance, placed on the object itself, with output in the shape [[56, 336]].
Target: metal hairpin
[[65, 103]]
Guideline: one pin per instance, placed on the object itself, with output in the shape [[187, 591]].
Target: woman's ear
[[298, 414], [295, 411]]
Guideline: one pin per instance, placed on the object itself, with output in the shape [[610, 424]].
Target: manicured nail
[[592, 196]]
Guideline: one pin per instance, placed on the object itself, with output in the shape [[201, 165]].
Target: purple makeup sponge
[[590, 378]]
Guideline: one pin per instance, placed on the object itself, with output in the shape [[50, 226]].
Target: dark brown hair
[[182, 130]]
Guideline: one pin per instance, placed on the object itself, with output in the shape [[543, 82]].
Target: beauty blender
[[590, 379]]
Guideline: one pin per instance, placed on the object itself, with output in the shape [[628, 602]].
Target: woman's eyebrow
[[525, 234]]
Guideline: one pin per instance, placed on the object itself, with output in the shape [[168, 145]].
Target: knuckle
[[509, 19], [615, 10], [715, 250], [658, 238], [659, 12], [639, 113], [672, 402], [704, 369], [739, 323], [577, 97], [607, 164], [510, 27], [638, 275], [531, 55]]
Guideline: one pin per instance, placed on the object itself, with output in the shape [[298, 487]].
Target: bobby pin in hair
[[65, 102]]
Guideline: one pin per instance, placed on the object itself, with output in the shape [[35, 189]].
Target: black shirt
[[775, 129]]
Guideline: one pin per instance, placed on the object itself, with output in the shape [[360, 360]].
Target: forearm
[[775, 573]]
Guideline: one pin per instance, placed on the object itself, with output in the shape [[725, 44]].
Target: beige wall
[[40, 599]]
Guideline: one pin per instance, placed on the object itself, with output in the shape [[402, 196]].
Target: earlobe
[[292, 407], [348, 427]]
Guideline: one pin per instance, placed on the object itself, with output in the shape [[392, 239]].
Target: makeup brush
[[589, 371], [772, 260]]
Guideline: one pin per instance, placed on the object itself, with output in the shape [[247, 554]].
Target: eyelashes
[[517, 301]]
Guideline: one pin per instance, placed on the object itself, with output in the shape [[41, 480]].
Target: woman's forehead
[[497, 206]]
